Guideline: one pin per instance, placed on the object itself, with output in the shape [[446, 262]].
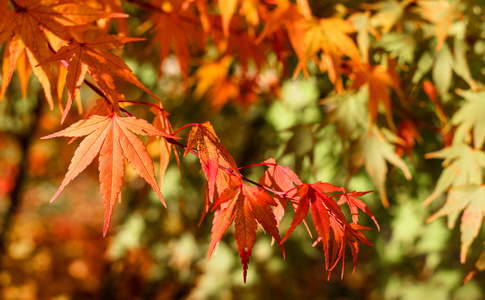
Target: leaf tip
[[283, 251], [163, 202]]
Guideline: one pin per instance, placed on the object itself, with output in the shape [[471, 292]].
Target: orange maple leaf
[[441, 15], [325, 40], [94, 58], [113, 138], [227, 7], [212, 154], [379, 79], [176, 27], [328, 42], [286, 15], [26, 29], [214, 80]]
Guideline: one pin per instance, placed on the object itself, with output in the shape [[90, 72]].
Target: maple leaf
[[211, 153], [26, 29], [388, 13], [227, 7], [288, 16], [329, 221], [378, 79], [463, 166], [469, 199], [355, 204], [331, 38], [443, 69], [460, 62], [362, 22], [324, 40], [280, 178], [94, 58], [409, 134], [246, 206], [441, 15], [184, 32], [373, 150], [470, 116], [113, 138]]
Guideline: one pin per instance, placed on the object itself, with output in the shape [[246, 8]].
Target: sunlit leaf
[[114, 137]]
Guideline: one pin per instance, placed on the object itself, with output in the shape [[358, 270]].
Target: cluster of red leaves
[[265, 204], [47, 32]]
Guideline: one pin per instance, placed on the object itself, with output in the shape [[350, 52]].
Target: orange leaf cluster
[[234, 201], [38, 33], [33, 29]]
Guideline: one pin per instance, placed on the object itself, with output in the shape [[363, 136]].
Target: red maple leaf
[[212, 154], [247, 206], [329, 221], [280, 178]]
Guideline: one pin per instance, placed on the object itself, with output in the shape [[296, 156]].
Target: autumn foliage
[[42, 33], [231, 52]]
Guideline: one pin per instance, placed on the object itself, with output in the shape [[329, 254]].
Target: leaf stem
[[256, 165], [283, 194], [185, 126], [141, 102]]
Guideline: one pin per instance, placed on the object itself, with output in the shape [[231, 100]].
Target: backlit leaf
[[470, 116], [332, 227], [280, 178], [211, 154], [469, 199], [92, 57], [373, 151], [442, 69], [27, 27], [247, 206], [462, 166], [114, 136]]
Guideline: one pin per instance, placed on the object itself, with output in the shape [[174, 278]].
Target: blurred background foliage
[[56, 250]]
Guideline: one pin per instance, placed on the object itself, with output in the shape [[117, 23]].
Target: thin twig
[[283, 194]]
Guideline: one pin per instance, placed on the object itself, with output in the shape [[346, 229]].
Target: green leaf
[[403, 46], [442, 69], [460, 63], [463, 166], [470, 116], [471, 200], [388, 13], [373, 150], [349, 112], [425, 63]]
